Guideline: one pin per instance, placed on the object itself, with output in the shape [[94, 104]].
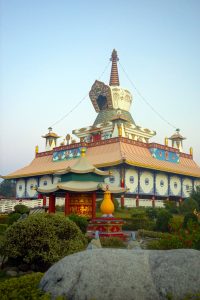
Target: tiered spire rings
[[114, 77]]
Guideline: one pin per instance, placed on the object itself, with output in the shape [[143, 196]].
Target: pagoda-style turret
[[51, 139], [114, 77], [177, 140]]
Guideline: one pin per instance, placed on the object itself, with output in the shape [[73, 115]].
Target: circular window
[[112, 179], [162, 183], [20, 187], [175, 185], [45, 182], [131, 179], [147, 181]]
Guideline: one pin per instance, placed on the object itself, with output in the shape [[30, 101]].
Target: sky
[[51, 52]]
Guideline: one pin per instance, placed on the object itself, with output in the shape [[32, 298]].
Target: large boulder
[[103, 274]]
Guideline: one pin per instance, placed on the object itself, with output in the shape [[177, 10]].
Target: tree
[[195, 195], [7, 188]]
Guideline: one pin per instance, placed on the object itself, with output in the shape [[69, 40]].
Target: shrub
[[112, 242], [152, 212], [24, 287], [21, 209], [175, 224], [81, 222], [3, 219], [13, 217], [171, 207], [41, 240], [188, 205], [189, 217], [167, 243], [162, 222], [151, 234], [3, 228]]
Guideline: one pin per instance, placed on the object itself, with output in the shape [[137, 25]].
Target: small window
[[162, 183], [20, 187], [131, 179], [187, 188], [112, 179], [147, 181], [45, 182], [175, 185], [31, 186]]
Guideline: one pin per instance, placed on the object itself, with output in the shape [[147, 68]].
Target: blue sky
[[52, 52]]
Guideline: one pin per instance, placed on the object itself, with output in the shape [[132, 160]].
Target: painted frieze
[[165, 155]]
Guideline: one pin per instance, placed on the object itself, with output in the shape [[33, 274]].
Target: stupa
[[151, 172]]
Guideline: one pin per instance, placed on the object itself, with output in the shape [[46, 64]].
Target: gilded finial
[[83, 151], [191, 151], [36, 149], [166, 141]]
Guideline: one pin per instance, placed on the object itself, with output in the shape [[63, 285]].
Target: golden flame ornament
[[107, 206]]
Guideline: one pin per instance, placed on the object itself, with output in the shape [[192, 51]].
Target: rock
[[105, 274], [11, 273], [94, 244]]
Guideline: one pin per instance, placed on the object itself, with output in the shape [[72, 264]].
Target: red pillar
[[52, 204], [122, 200], [44, 201], [94, 197], [67, 206], [137, 201], [153, 201]]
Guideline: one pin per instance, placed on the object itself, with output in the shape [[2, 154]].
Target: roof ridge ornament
[[114, 77]]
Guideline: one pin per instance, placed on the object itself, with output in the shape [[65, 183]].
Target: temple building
[[145, 172]]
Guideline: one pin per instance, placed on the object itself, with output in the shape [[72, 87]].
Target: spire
[[114, 77]]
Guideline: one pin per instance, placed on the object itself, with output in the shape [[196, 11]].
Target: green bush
[[175, 224], [151, 234], [171, 207], [13, 217], [138, 212], [24, 287], [3, 228], [188, 206], [21, 209], [163, 219], [42, 239], [139, 220], [81, 222], [112, 242], [171, 242], [189, 217], [3, 219], [152, 212]]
